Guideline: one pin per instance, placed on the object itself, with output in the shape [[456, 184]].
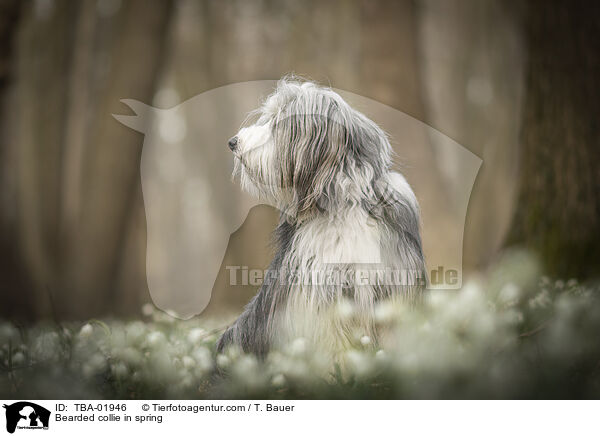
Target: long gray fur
[[325, 159]]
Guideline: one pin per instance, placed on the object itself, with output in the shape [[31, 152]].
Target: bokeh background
[[515, 82]]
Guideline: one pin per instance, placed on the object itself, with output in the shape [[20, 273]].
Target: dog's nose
[[233, 143]]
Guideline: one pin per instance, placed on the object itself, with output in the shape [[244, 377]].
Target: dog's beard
[[260, 176], [247, 177]]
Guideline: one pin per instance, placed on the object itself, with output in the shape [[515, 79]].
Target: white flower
[[344, 309], [86, 331], [188, 362], [8, 333], [18, 358], [135, 332], [365, 340], [195, 335], [233, 352], [278, 381], [246, 365], [298, 346], [509, 294], [204, 359], [147, 309], [223, 361], [358, 362], [246, 371], [156, 338], [384, 312]]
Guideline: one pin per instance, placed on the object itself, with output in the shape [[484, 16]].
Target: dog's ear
[[317, 153], [318, 137]]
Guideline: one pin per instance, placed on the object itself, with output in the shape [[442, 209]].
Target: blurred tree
[[13, 276], [558, 209], [73, 171], [472, 69]]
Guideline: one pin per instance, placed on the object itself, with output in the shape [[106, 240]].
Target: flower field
[[508, 333]]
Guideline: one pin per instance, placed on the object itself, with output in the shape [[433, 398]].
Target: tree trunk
[[558, 210], [74, 174]]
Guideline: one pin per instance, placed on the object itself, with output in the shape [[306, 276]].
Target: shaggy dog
[[348, 235]]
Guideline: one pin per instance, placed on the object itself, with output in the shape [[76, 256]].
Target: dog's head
[[307, 151]]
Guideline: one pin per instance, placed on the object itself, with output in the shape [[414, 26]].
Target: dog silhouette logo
[[26, 415]]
